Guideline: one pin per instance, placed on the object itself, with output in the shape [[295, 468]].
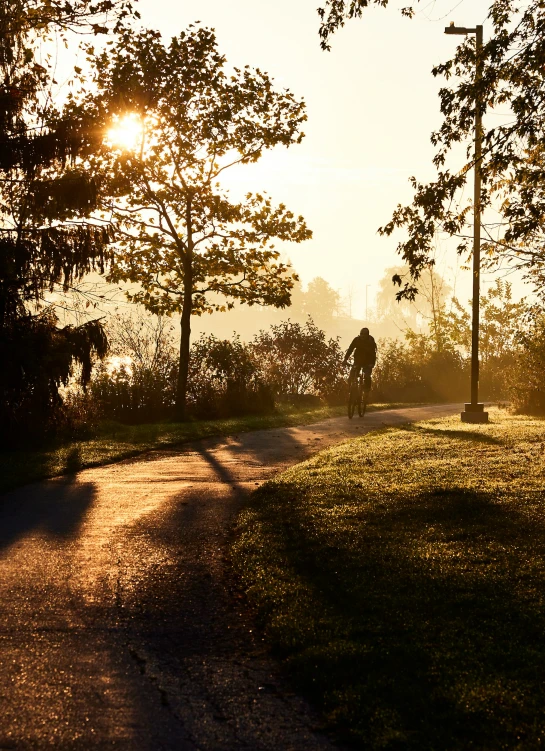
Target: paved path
[[119, 625]]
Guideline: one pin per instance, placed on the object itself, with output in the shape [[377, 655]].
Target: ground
[[110, 442], [400, 578], [121, 624]]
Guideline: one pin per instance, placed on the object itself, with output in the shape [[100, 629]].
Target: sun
[[126, 131], [116, 365]]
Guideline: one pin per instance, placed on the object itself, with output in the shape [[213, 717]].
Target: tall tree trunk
[[185, 322], [185, 337]]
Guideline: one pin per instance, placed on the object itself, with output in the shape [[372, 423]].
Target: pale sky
[[372, 104]]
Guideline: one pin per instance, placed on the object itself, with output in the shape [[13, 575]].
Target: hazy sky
[[372, 103]]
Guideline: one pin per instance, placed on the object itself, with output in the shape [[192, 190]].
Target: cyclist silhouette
[[364, 348]]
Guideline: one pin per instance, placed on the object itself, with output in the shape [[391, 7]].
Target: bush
[[224, 379], [79, 415], [413, 371], [497, 375], [137, 383], [528, 374], [295, 360], [39, 359]]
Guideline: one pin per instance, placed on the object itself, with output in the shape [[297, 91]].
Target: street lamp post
[[474, 412]]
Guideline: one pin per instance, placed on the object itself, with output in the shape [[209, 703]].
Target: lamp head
[[459, 30]]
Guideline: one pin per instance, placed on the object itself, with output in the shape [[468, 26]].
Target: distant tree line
[[296, 362]]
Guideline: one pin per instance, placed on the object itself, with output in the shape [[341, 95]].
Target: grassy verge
[[114, 442], [400, 576]]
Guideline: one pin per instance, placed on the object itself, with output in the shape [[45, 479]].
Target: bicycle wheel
[[362, 404], [352, 400]]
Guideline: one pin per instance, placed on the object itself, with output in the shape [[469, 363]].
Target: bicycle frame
[[358, 380]]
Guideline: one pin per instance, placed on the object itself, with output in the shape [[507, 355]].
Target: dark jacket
[[365, 351]]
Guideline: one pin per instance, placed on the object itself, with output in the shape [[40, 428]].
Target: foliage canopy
[[44, 239], [180, 237]]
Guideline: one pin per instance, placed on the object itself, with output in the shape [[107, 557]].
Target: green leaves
[[180, 238]]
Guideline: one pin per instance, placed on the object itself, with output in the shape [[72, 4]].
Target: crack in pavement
[[122, 627]]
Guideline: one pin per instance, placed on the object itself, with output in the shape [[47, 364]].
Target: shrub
[[297, 359], [224, 379], [137, 382], [528, 374], [39, 359], [413, 371], [79, 415]]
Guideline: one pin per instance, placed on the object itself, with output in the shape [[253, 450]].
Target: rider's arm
[[350, 350]]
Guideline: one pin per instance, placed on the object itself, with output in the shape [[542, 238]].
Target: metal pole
[[477, 224], [474, 412]]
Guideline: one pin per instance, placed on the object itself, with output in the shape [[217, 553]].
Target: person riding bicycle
[[364, 348]]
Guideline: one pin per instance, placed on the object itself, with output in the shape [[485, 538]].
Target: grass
[[113, 442], [401, 578]]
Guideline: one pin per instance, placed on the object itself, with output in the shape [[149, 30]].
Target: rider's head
[[364, 332]]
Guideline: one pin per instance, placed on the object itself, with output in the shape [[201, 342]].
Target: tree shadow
[[428, 620], [56, 508], [462, 435], [186, 617], [73, 461]]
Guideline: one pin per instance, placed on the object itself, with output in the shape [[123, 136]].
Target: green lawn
[[113, 442], [401, 577]]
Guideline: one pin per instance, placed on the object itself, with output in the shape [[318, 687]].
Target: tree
[[41, 246], [297, 301], [502, 323], [335, 13], [225, 379], [404, 313], [447, 344], [322, 302], [513, 153], [189, 246], [528, 381]]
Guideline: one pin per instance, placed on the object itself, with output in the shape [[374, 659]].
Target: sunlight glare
[[126, 131], [117, 366]]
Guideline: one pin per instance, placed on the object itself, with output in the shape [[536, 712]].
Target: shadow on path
[[56, 508], [188, 627]]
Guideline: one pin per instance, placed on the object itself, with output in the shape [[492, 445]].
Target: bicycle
[[359, 382]]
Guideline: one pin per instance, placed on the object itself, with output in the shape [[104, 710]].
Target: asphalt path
[[120, 624]]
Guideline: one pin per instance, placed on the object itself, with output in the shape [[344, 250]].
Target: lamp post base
[[474, 413]]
